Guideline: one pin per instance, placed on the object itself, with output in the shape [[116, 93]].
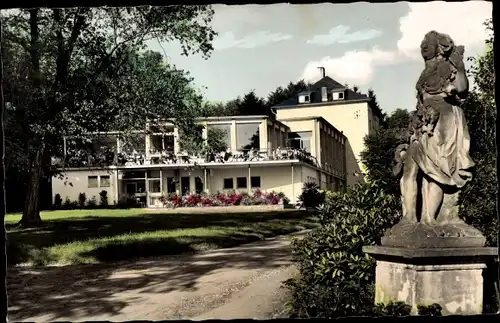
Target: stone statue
[[435, 163]]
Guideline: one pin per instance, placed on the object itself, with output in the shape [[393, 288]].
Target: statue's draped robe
[[444, 156]]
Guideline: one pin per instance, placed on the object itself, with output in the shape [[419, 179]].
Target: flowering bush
[[224, 199]]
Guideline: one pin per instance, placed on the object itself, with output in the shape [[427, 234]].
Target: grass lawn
[[93, 236]]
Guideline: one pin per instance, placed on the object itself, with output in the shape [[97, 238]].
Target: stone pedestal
[[451, 277]]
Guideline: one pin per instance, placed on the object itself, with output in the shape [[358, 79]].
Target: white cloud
[[340, 34], [463, 21], [354, 67], [257, 39]]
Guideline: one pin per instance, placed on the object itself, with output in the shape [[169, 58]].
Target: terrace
[[105, 157]]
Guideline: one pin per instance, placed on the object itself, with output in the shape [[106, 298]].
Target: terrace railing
[[81, 158]]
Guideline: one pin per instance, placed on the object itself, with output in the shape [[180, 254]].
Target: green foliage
[[126, 201], [336, 277], [311, 196], [92, 203], [391, 309], [283, 93], [478, 199], [73, 71], [57, 201], [216, 142], [103, 199], [82, 200], [191, 140], [378, 156], [429, 310], [251, 104]]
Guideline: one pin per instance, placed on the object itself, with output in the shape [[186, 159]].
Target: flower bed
[[224, 199]]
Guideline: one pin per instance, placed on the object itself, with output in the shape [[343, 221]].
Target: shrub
[[223, 199], [126, 201], [92, 203], [57, 201], [430, 310], [390, 309], [70, 205], [103, 198], [311, 196], [82, 199], [336, 277]]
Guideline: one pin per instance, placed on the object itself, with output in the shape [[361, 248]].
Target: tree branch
[[77, 29]]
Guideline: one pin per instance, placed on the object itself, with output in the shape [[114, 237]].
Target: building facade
[[351, 112], [263, 153]]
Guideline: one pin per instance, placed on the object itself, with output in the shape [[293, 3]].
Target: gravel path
[[240, 282]]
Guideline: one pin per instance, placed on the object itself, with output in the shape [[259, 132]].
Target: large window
[[162, 143], [300, 140], [154, 186], [105, 181], [93, 181], [226, 130], [134, 143], [247, 136]]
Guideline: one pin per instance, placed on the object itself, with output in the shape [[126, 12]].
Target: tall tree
[[281, 94], [251, 104], [378, 156], [375, 106], [79, 62]]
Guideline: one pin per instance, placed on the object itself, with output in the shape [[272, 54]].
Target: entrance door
[[198, 185], [131, 188], [185, 185]]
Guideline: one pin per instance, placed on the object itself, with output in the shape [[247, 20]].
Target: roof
[[331, 85]]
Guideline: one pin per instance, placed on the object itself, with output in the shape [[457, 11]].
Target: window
[[153, 174], [105, 181], [154, 186], [241, 182], [225, 129], [247, 136], [134, 143], [304, 98], [300, 140], [93, 182], [134, 174], [255, 181], [341, 95], [228, 184]]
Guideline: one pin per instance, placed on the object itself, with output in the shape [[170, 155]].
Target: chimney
[[323, 71], [324, 94]]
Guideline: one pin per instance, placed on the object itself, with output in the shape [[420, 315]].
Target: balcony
[[106, 158]]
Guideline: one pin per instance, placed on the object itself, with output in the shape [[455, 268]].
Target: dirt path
[[241, 282]]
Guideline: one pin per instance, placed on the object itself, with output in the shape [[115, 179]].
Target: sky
[[261, 47]]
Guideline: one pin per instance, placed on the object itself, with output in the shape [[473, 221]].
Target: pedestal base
[[451, 277]]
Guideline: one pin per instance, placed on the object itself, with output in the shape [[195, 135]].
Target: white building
[[271, 154]]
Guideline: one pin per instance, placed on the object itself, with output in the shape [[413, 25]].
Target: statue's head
[[436, 44], [444, 67]]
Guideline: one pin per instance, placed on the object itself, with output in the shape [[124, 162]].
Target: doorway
[[185, 189]]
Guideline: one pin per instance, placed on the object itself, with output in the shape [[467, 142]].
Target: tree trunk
[[31, 215], [3, 208]]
